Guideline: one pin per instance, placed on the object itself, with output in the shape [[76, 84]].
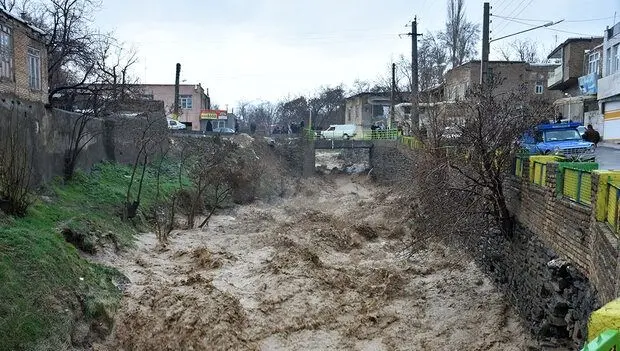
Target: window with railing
[[6, 52]]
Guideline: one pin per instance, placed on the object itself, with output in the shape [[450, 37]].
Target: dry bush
[[16, 163]]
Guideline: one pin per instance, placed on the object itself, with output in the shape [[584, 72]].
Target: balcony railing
[[555, 76]]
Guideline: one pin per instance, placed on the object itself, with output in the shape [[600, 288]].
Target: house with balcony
[[23, 59], [608, 93], [193, 99], [574, 78]]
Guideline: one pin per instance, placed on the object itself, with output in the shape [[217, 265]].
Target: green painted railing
[[606, 341], [574, 180]]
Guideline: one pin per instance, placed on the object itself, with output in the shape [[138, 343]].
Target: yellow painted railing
[[613, 196], [538, 168]]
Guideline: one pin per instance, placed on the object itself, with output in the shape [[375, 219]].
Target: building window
[[593, 62], [539, 88], [34, 69], [6, 53], [185, 101], [616, 59], [608, 65]]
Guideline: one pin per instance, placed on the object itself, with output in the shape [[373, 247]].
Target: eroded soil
[[322, 270]]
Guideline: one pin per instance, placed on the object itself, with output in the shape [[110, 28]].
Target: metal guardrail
[[574, 180], [366, 134], [606, 341]]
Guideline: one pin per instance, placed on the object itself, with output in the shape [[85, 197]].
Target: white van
[[174, 124], [339, 131]]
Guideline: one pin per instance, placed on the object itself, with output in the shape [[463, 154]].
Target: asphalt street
[[608, 158]]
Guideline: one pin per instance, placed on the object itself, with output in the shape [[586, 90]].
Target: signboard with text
[[213, 114]]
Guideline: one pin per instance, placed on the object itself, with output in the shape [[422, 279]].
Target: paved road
[[608, 158]]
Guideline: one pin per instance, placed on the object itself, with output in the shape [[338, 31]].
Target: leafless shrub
[[147, 138], [16, 163]]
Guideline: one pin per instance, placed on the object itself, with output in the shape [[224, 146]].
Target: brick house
[[23, 59], [512, 73], [440, 100], [192, 100], [578, 60], [609, 84]]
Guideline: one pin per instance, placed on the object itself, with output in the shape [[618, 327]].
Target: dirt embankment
[[322, 270]]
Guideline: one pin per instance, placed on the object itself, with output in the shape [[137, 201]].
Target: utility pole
[[415, 113], [392, 96], [484, 62], [176, 91]]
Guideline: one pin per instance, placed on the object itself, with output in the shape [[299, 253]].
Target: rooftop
[[572, 40], [19, 19]]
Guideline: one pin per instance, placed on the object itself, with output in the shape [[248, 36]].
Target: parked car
[[339, 131], [561, 139], [175, 125], [223, 130]]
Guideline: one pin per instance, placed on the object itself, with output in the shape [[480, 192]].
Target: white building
[[609, 85]]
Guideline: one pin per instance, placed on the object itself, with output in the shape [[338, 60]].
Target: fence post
[[579, 175]]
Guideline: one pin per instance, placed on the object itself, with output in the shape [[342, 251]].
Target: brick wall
[[24, 37], [569, 228]]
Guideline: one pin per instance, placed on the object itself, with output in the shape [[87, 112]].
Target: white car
[[339, 131], [175, 125]]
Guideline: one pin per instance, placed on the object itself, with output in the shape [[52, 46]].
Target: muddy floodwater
[[324, 269]]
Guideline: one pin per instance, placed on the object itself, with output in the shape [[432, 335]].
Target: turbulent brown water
[[320, 270]]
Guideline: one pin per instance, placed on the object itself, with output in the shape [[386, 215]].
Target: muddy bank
[[324, 269]]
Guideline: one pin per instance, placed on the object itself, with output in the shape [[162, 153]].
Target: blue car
[[561, 139]]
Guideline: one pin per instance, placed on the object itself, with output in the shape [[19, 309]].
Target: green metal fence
[[574, 180], [606, 341], [613, 198]]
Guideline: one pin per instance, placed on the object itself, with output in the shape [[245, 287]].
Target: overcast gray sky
[[269, 49]]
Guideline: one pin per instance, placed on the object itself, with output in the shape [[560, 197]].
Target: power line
[[553, 29], [510, 14], [542, 20]]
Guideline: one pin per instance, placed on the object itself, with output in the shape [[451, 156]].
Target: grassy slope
[[42, 277]]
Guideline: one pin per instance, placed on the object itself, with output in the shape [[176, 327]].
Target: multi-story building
[[23, 59], [609, 85], [578, 60], [193, 99]]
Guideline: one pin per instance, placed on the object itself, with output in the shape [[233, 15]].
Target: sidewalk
[[611, 145]]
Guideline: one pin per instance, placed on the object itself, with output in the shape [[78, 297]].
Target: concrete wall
[[24, 37], [49, 136]]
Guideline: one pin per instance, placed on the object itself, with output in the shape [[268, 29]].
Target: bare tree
[[151, 133], [8, 4], [432, 62], [521, 50], [460, 36], [110, 89], [486, 146]]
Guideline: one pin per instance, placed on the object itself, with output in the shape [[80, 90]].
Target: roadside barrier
[[538, 168], [613, 198], [574, 180], [606, 341]]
